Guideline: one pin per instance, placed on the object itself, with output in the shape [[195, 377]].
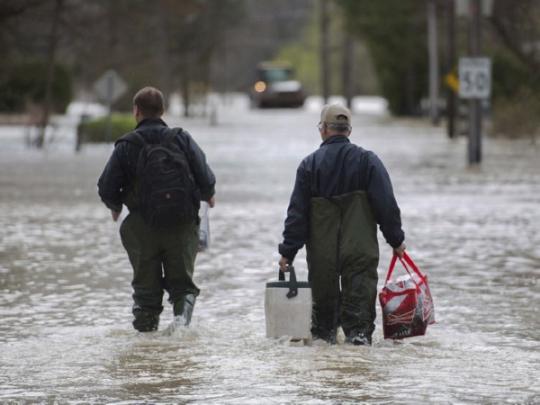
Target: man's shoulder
[[371, 156], [358, 148], [365, 153], [181, 133], [129, 137], [125, 144]]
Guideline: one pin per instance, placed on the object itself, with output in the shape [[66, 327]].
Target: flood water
[[65, 295]]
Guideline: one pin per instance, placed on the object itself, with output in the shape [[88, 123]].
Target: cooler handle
[[293, 285]]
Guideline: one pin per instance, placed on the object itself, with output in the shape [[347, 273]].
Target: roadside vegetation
[[97, 130]]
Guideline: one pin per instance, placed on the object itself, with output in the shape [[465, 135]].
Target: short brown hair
[[150, 102]]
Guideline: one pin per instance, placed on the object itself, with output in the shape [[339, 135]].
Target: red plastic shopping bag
[[406, 302]]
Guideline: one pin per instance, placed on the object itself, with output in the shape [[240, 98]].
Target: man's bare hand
[[115, 215], [283, 264], [211, 202], [399, 251]]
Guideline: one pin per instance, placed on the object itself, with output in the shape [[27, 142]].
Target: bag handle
[[293, 284], [391, 269], [405, 261]]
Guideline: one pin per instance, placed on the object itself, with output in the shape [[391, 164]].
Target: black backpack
[[164, 185]]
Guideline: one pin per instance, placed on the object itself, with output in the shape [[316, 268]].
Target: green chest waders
[[342, 256]]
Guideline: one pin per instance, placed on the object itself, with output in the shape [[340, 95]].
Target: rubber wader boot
[[359, 339], [329, 336], [145, 321], [183, 309]]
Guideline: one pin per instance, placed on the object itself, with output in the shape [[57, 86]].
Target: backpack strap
[[170, 135]]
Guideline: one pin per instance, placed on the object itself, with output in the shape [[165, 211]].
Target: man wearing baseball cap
[[342, 192]]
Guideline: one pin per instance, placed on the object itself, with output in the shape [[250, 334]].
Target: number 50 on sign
[[474, 77]]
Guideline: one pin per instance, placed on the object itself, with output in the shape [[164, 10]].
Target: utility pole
[[325, 50], [475, 106], [450, 66], [433, 61]]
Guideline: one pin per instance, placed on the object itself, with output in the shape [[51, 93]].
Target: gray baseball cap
[[335, 114]]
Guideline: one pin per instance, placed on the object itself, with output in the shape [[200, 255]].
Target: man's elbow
[[207, 193], [111, 200]]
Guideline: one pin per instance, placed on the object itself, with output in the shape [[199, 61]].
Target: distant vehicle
[[276, 87]]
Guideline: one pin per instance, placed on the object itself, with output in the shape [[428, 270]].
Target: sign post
[[109, 88], [475, 85], [433, 56], [475, 82]]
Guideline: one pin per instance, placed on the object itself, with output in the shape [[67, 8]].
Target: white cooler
[[288, 307]]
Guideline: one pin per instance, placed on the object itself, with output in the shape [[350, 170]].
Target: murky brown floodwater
[[65, 332]]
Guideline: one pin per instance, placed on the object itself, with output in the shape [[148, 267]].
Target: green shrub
[[511, 77], [516, 97], [95, 131], [26, 82]]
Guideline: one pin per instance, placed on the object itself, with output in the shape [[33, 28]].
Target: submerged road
[[65, 295]]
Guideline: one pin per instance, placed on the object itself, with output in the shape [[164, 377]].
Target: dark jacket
[[336, 168], [117, 180]]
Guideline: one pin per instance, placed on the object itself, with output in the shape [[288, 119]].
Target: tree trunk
[[53, 44], [325, 51], [451, 99], [348, 78], [433, 56]]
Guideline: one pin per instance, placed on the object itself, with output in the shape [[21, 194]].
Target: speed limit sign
[[474, 77]]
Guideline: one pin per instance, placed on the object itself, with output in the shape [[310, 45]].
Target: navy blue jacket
[[339, 167], [117, 179]]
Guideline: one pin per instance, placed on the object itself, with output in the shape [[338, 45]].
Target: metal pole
[[450, 65], [475, 107], [433, 61], [325, 52]]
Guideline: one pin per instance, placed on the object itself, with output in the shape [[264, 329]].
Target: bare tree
[[188, 45], [53, 44]]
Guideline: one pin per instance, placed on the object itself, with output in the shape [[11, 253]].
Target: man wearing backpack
[[161, 175], [341, 193]]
